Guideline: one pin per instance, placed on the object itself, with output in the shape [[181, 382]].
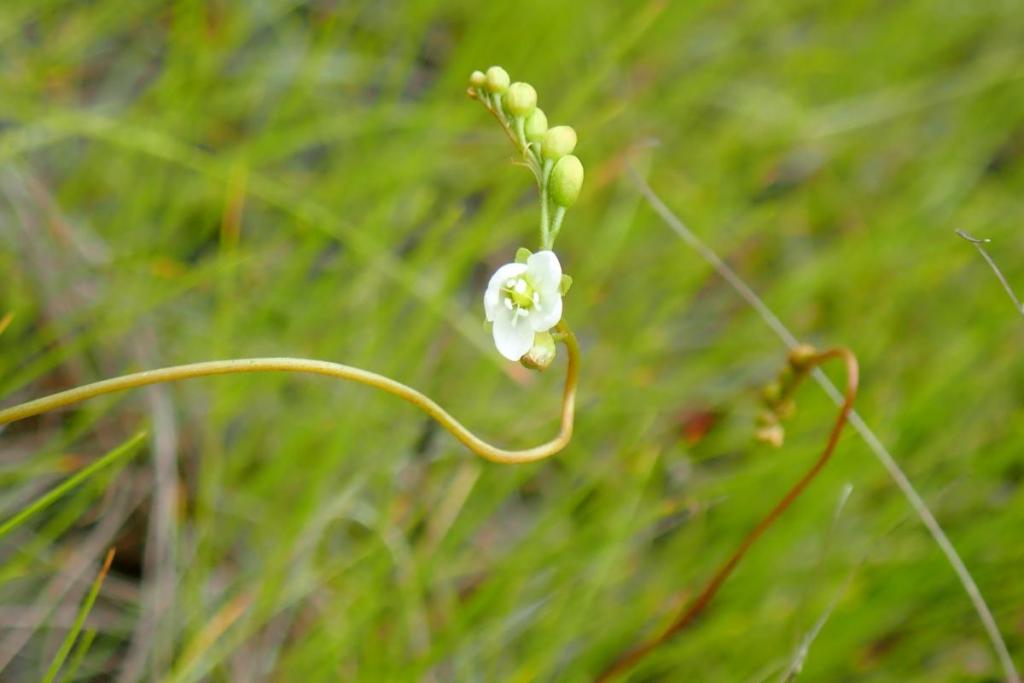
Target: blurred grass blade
[[69, 640], [81, 649], [6, 321], [191, 658], [55, 494]]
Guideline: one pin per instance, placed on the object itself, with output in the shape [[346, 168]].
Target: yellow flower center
[[519, 293]]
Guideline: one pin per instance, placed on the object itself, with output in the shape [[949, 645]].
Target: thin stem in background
[[799, 656], [336, 370], [995, 269], [631, 658], [856, 421], [545, 221]]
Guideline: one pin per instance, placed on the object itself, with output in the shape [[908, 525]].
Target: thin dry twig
[[856, 421], [995, 269], [632, 657]]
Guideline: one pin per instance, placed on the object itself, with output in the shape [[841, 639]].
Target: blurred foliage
[[190, 180]]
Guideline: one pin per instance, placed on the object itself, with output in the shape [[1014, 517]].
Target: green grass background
[[187, 180]]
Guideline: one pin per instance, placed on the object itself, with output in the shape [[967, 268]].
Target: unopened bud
[[786, 409], [497, 79], [521, 99], [774, 435], [477, 79], [536, 125], [558, 142], [772, 393], [566, 180], [542, 354], [801, 356]]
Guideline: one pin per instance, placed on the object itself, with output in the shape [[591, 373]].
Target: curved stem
[[878, 449], [629, 659], [319, 367]]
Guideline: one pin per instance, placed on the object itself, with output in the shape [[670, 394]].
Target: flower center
[[519, 296]]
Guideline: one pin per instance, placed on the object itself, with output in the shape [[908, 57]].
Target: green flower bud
[[536, 125], [542, 354], [521, 99], [801, 357], [477, 79], [497, 79], [566, 180], [558, 142], [772, 393]]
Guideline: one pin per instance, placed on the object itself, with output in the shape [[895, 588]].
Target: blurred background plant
[[192, 180]]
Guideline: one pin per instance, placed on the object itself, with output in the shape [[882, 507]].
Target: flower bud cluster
[[547, 150], [777, 397], [523, 301]]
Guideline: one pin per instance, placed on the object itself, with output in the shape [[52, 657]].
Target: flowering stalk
[[523, 301], [514, 105], [803, 360]]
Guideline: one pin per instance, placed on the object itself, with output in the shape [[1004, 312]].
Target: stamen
[[508, 303], [511, 283], [521, 287], [536, 297]]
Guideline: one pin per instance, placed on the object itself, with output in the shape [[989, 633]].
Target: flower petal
[[512, 340], [546, 313], [492, 296], [507, 271], [492, 301], [544, 269]]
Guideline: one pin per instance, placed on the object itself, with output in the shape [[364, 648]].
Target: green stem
[[545, 229], [498, 111], [556, 225], [521, 134], [337, 370]]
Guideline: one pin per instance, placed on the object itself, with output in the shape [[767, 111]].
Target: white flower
[[522, 299]]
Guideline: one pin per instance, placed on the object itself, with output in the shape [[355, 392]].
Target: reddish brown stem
[[630, 658]]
